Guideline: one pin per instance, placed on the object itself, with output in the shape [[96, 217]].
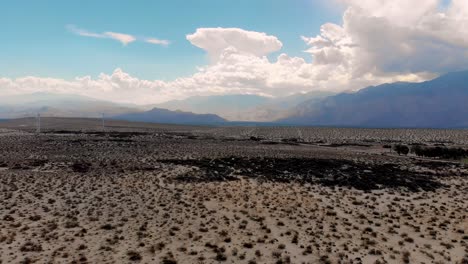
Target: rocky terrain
[[146, 193]]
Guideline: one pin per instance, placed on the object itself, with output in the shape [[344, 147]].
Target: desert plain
[[149, 193]]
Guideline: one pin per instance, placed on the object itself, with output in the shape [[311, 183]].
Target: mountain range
[[227, 106], [158, 115], [69, 105], [59, 105], [243, 107], [438, 103]]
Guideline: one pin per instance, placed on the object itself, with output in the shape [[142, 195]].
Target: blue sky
[[36, 41], [265, 47]]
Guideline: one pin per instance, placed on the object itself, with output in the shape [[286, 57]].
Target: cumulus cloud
[[234, 74], [216, 40], [381, 37], [117, 86], [379, 41]]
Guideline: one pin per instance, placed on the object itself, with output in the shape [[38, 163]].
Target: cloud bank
[[379, 41]]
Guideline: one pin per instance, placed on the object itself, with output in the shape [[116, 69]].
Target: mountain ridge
[[438, 103], [58, 105], [159, 115], [242, 107]]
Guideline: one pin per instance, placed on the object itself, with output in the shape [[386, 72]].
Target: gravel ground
[[177, 194]]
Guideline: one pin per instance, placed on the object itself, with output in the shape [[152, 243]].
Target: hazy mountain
[[439, 103], [63, 105], [241, 107], [158, 115], [232, 107], [223, 105], [281, 107]]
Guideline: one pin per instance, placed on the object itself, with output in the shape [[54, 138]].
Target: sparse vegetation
[[401, 149], [178, 197], [439, 152], [133, 256]]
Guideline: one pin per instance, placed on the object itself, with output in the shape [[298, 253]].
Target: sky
[[40, 39], [146, 52]]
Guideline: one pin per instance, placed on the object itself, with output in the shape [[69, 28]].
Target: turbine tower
[[38, 123], [103, 123]]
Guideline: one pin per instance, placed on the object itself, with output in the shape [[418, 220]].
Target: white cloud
[[82, 32], [156, 41], [399, 36], [215, 40], [125, 39], [379, 41], [234, 74], [398, 12]]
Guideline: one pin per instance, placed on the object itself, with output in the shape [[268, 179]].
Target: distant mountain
[[224, 105], [158, 115], [58, 105], [241, 107], [439, 103], [281, 107]]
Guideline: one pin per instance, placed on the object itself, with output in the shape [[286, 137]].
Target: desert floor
[[177, 194]]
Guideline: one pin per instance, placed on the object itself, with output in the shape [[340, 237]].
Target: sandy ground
[[167, 197]]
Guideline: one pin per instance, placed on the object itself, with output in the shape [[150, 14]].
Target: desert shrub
[[35, 218], [71, 224], [401, 149], [464, 260], [107, 227], [221, 256], [168, 261], [406, 257], [295, 239], [133, 255], [248, 245], [417, 150], [81, 166], [276, 254], [31, 247], [439, 152]]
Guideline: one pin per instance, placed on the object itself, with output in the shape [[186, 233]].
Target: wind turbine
[[103, 123], [38, 123]]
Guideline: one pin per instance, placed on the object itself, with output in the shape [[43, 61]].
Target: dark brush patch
[[37, 162], [100, 133], [337, 145], [81, 166], [19, 166], [328, 172], [437, 165]]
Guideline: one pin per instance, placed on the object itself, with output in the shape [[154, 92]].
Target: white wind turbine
[[38, 123]]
